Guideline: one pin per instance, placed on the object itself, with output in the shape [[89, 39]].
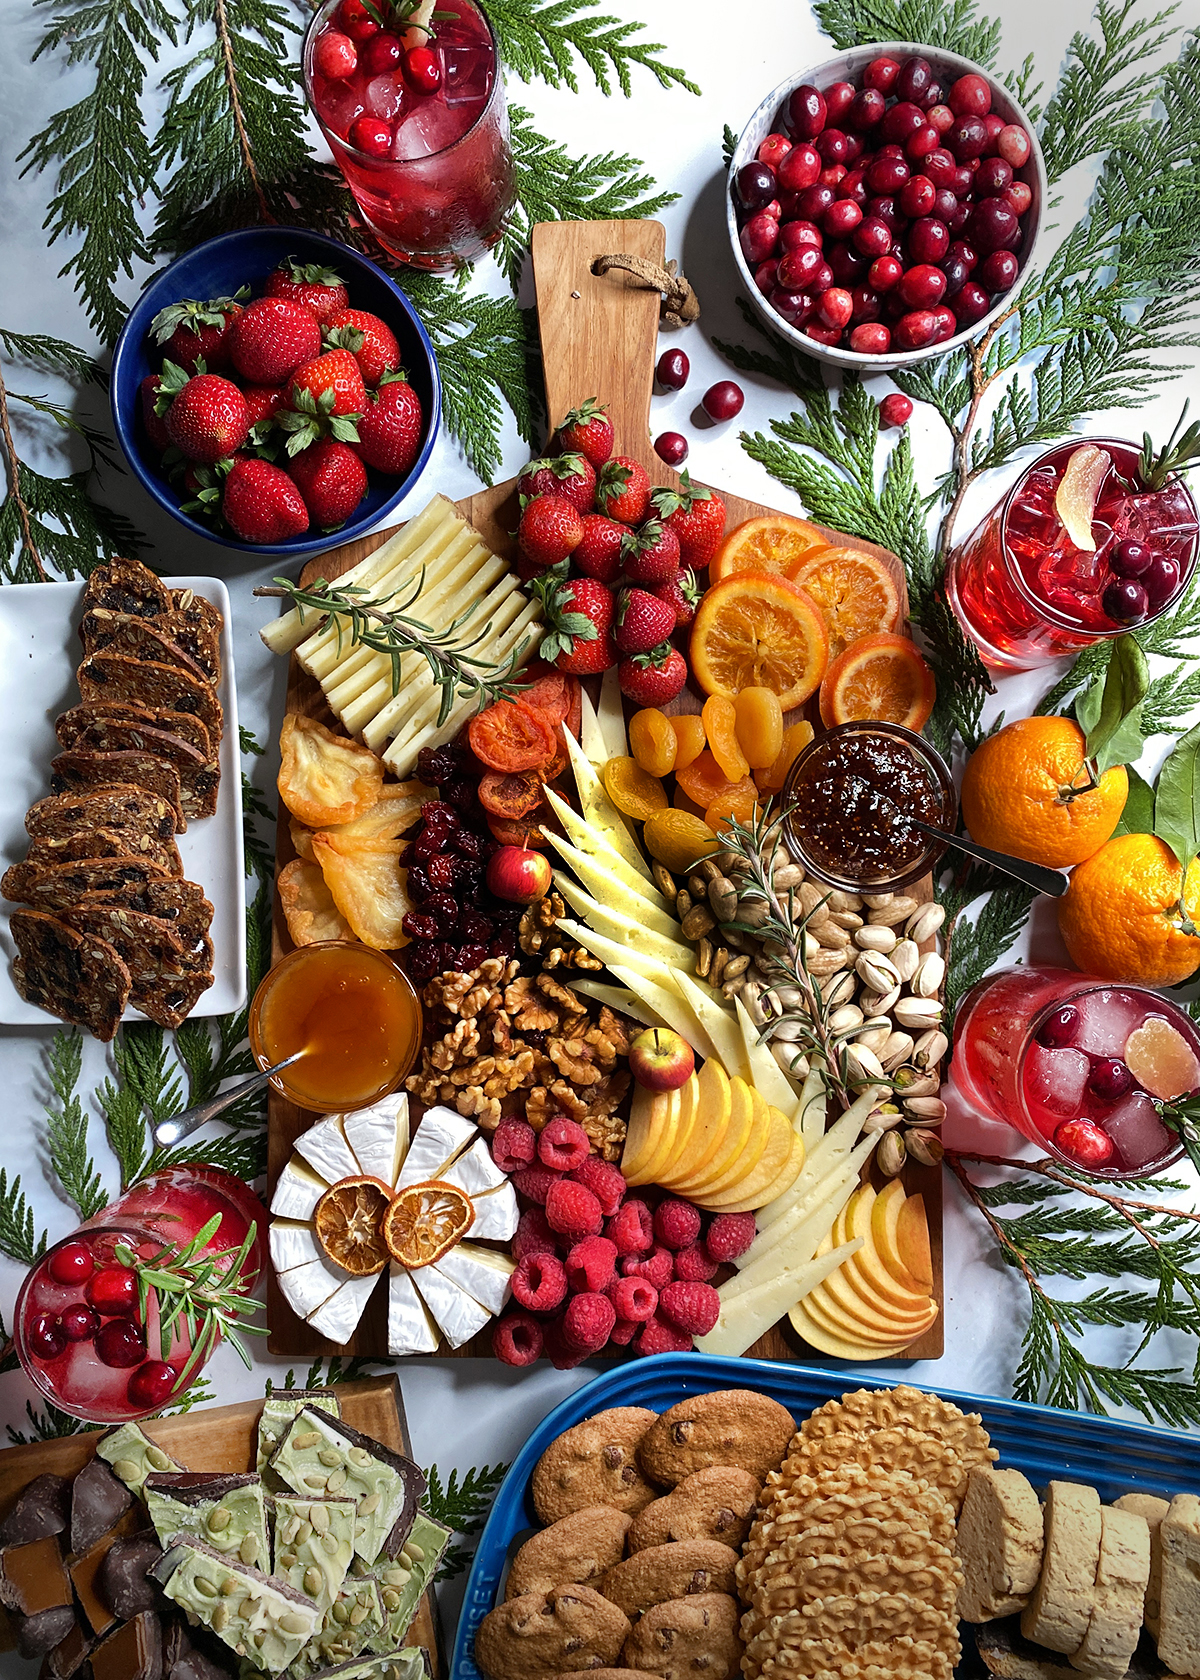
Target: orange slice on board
[[855, 591], [758, 630], [881, 679], [770, 543], [348, 1223], [424, 1221]]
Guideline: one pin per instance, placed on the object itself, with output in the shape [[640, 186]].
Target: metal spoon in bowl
[[1051, 882], [169, 1132]]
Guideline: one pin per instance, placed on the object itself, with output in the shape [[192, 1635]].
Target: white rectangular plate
[[39, 653]]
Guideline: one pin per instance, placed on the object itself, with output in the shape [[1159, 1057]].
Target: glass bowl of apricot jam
[[352, 1011], [846, 799]]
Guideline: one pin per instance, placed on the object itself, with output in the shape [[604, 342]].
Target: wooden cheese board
[[598, 337], [223, 1438]]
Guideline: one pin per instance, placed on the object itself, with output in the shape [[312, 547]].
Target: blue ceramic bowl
[[217, 269]]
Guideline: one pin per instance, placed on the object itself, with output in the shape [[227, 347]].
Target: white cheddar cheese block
[[834, 1186], [811, 1109], [292, 1245], [482, 1272], [635, 896], [441, 1135], [719, 1024], [618, 923], [619, 937], [325, 1149], [475, 1172], [486, 616], [459, 1316], [410, 1328], [766, 1075], [590, 738], [308, 1287], [337, 1319], [496, 1214], [744, 1318], [621, 999], [379, 1136], [297, 1191], [592, 842], [611, 715], [599, 809], [660, 995]]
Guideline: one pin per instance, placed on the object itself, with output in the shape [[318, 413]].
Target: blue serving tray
[[1045, 1443]]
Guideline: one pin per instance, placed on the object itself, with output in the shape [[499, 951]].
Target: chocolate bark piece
[[281, 1406], [33, 1576], [198, 1665], [162, 855], [161, 968], [42, 1508], [127, 586], [133, 1652], [68, 1656], [102, 629], [353, 1622], [72, 975], [408, 1663], [37, 1635], [314, 1543], [84, 772], [132, 1455], [73, 726], [321, 1454], [123, 1580], [63, 884], [404, 1576], [148, 682], [225, 1510], [98, 1501], [120, 805], [254, 1614]]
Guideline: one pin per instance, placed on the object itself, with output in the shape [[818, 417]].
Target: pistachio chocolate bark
[[409, 1663], [404, 1577], [352, 1623], [281, 1406], [322, 1455], [226, 1511], [254, 1614], [314, 1542], [132, 1455]]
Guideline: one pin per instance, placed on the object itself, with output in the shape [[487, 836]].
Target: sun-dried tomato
[[511, 736], [513, 795]]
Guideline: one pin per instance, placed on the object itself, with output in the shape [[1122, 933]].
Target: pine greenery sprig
[[17, 1238], [952, 25], [50, 1425], [462, 1506], [67, 1125], [542, 42]]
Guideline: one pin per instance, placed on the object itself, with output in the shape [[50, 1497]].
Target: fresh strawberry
[[205, 485], [641, 621], [550, 529], [326, 398], [156, 431], [588, 431], [569, 476], [206, 416], [578, 616], [263, 402], [599, 552], [271, 338], [389, 432], [321, 290], [682, 593], [697, 517], [653, 678], [198, 332], [332, 480], [651, 553], [623, 490], [261, 504], [369, 340]]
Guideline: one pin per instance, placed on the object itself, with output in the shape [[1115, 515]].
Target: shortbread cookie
[[577, 1548], [1179, 1612], [732, 1426], [1121, 1578], [594, 1464], [678, 1570], [999, 1544], [541, 1634], [713, 1504], [1058, 1613], [1154, 1509], [687, 1637]]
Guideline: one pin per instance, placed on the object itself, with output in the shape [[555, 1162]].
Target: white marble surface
[[471, 1412]]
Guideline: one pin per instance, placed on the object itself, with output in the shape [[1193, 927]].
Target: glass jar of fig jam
[[845, 802]]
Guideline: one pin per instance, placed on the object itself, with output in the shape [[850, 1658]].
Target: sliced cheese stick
[[744, 1318]]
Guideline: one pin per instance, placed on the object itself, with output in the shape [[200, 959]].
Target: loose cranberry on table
[[895, 409], [671, 447], [672, 370], [723, 400]]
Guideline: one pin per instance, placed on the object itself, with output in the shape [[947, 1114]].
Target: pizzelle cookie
[[999, 1543], [856, 1619], [677, 1570], [713, 1504], [687, 1636], [788, 1584], [852, 1493], [866, 1411], [731, 1426], [892, 1659], [900, 1447], [594, 1464], [577, 1548], [541, 1634]]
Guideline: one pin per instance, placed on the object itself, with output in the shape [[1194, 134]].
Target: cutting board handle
[[599, 331]]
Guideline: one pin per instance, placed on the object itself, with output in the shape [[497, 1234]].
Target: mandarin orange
[[1127, 914], [1028, 790]]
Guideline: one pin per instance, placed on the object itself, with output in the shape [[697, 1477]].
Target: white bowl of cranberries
[[883, 206]]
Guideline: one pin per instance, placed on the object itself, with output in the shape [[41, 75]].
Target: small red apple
[[518, 874], [661, 1059]]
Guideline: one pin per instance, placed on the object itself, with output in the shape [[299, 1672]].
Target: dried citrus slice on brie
[[1075, 498], [348, 1222], [424, 1221]]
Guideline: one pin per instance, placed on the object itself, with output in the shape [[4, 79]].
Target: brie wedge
[[337, 1317], [484, 1274], [475, 1172], [292, 1245], [309, 1286], [496, 1214], [325, 1149], [441, 1136], [410, 1328], [298, 1191], [379, 1136], [459, 1315]]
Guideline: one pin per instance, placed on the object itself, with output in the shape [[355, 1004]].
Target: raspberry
[[604, 1181], [623, 1332], [590, 1266], [588, 1321], [676, 1223], [632, 1228], [534, 1182], [658, 1336], [692, 1265], [563, 1144], [540, 1282], [730, 1235], [633, 1298], [694, 1307], [533, 1235], [573, 1210], [517, 1339], [514, 1145], [557, 1350], [657, 1267]]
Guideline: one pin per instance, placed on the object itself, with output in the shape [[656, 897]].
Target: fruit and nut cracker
[[319, 1454]]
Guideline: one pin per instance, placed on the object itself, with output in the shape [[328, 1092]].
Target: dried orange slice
[[1161, 1059], [1075, 498], [855, 591], [758, 630], [770, 543], [348, 1223], [882, 679], [424, 1221], [632, 791]]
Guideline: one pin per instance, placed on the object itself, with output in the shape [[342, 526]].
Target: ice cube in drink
[[1055, 1081], [1140, 1136], [385, 95], [428, 126], [1106, 1018], [466, 73]]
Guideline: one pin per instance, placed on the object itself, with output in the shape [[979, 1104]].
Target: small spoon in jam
[[1051, 882], [169, 1132]]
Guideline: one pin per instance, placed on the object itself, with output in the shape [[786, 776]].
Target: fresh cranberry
[[79, 1323], [865, 304], [935, 94], [994, 225], [914, 78], [723, 400], [923, 286], [841, 219], [967, 138], [998, 271], [773, 150], [854, 186], [794, 234], [836, 307], [971, 304], [822, 279], [881, 74], [71, 1263], [1019, 195], [845, 264], [957, 274], [113, 1291], [960, 248], [993, 177], [832, 175], [946, 324], [838, 100], [916, 329], [901, 121], [958, 218], [422, 70], [920, 144], [940, 118], [759, 239], [823, 334], [671, 447], [995, 127], [871, 339], [152, 1385], [917, 195], [806, 109], [833, 145], [356, 20], [885, 272], [887, 210], [335, 57], [794, 306], [895, 409], [797, 268], [755, 185], [855, 147], [962, 183], [673, 369], [940, 168], [813, 202], [867, 108], [1013, 145], [928, 240], [872, 238], [1084, 1142], [970, 96], [1125, 601], [120, 1344], [381, 54], [887, 174], [1130, 558], [799, 169], [944, 204], [1109, 1079], [1160, 580], [765, 276], [1059, 1028], [369, 135], [46, 1337]]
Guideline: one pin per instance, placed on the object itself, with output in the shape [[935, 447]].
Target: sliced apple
[[765, 1073], [822, 1156], [867, 1272], [746, 1317], [754, 1187], [689, 1114], [660, 996], [664, 1124], [885, 1219], [623, 888], [613, 954], [744, 1141], [872, 1312], [713, 1103], [834, 1347], [599, 809], [912, 1240], [609, 895], [640, 1136], [594, 842], [788, 1174], [882, 1333], [720, 1025]]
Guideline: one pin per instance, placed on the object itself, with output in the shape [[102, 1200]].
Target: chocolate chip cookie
[[732, 1426], [542, 1634], [577, 1548], [713, 1504], [595, 1464], [688, 1639], [678, 1570]]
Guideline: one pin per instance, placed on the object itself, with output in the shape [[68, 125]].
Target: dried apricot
[[681, 802], [795, 738], [690, 739], [514, 795], [652, 741], [703, 780], [759, 726], [720, 725], [632, 791], [678, 840], [517, 831], [549, 694], [738, 806], [509, 735]]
